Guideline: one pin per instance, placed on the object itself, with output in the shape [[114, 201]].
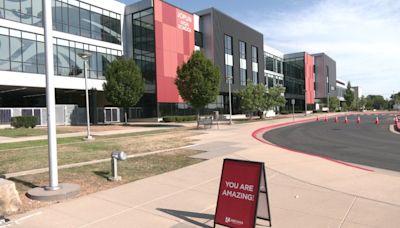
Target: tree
[[253, 98], [124, 84], [362, 102], [333, 103], [256, 98], [277, 97], [349, 95], [376, 102], [198, 81]]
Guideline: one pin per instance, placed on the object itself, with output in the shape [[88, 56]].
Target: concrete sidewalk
[[304, 191], [140, 127]]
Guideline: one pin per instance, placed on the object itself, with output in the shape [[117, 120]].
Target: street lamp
[[85, 56], [230, 98]]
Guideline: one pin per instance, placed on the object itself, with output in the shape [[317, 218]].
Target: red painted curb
[[266, 129]]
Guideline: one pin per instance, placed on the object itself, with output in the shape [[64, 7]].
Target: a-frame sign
[[243, 195]]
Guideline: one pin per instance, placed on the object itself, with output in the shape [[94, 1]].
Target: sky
[[362, 36]]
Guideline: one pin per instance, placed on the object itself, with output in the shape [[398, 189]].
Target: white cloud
[[363, 36]]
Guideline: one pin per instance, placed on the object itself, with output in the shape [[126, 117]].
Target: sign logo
[[184, 21]]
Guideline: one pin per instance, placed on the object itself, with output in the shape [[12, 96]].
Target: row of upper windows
[[273, 64], [228, 44], [69, 16], [242, 54], [25, 52]]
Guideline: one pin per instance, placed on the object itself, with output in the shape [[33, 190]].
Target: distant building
[[298, 69], [357, 91], [325, 78], [340, 89]]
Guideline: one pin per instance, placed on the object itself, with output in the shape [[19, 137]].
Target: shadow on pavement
[[188, 216]]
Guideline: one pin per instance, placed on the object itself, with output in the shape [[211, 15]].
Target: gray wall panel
[[223, 24]]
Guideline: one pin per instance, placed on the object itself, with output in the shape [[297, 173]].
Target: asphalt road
[[365, 144]]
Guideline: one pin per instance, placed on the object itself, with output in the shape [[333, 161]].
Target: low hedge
[[24, 121], [179, 118]]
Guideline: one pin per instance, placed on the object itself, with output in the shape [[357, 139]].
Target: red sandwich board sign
[[243, 195]]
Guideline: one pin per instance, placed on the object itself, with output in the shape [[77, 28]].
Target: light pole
[[230, 98], [55, 190], [85, 56]]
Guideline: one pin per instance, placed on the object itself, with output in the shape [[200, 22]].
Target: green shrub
[[179, 118], [284, 112], [23, 121], [169, 119]]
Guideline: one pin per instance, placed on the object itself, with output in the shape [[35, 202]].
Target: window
[[5, 52], [198, 39], [229, 72], [243, 76], [86, 20], [254, 54], [228, 45], [255, 78], [242, 50], [269, 63]]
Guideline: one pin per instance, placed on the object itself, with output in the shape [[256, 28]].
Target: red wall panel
[[174, 32], [309, 78]]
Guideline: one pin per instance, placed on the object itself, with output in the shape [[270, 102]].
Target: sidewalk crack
[[348, 211]]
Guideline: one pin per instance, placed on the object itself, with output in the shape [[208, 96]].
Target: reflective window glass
[[12, 9], [5, 53]]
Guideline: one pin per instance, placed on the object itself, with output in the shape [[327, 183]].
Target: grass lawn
[[22, 132], [93, 178], [15, 157]]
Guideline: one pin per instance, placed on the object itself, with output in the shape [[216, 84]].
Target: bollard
[[115, 157], [317, 118], [346, 120], [358, 120], [336, 119], [326, 119], [376, 120]]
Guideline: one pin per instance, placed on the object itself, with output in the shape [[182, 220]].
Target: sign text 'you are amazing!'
[[239, 191]]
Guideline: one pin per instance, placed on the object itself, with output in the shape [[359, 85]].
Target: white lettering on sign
[[184, 21], [239, 195]]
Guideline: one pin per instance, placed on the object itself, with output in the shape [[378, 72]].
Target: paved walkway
[[304, 191], [138, 127]]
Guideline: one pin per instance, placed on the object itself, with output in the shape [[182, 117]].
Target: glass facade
[[25, 52], [228, 59], [242, 50], [243, 77], [144, 55], [242, 56], [254, 59], [273, 63], [273, 80], [86, 20], [294, 81], [68, 63], [23, 11], [21, 51]]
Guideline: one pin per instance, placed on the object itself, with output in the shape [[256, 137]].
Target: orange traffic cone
[[346, 120], [336, 119], [358, 120], [376, 120]]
